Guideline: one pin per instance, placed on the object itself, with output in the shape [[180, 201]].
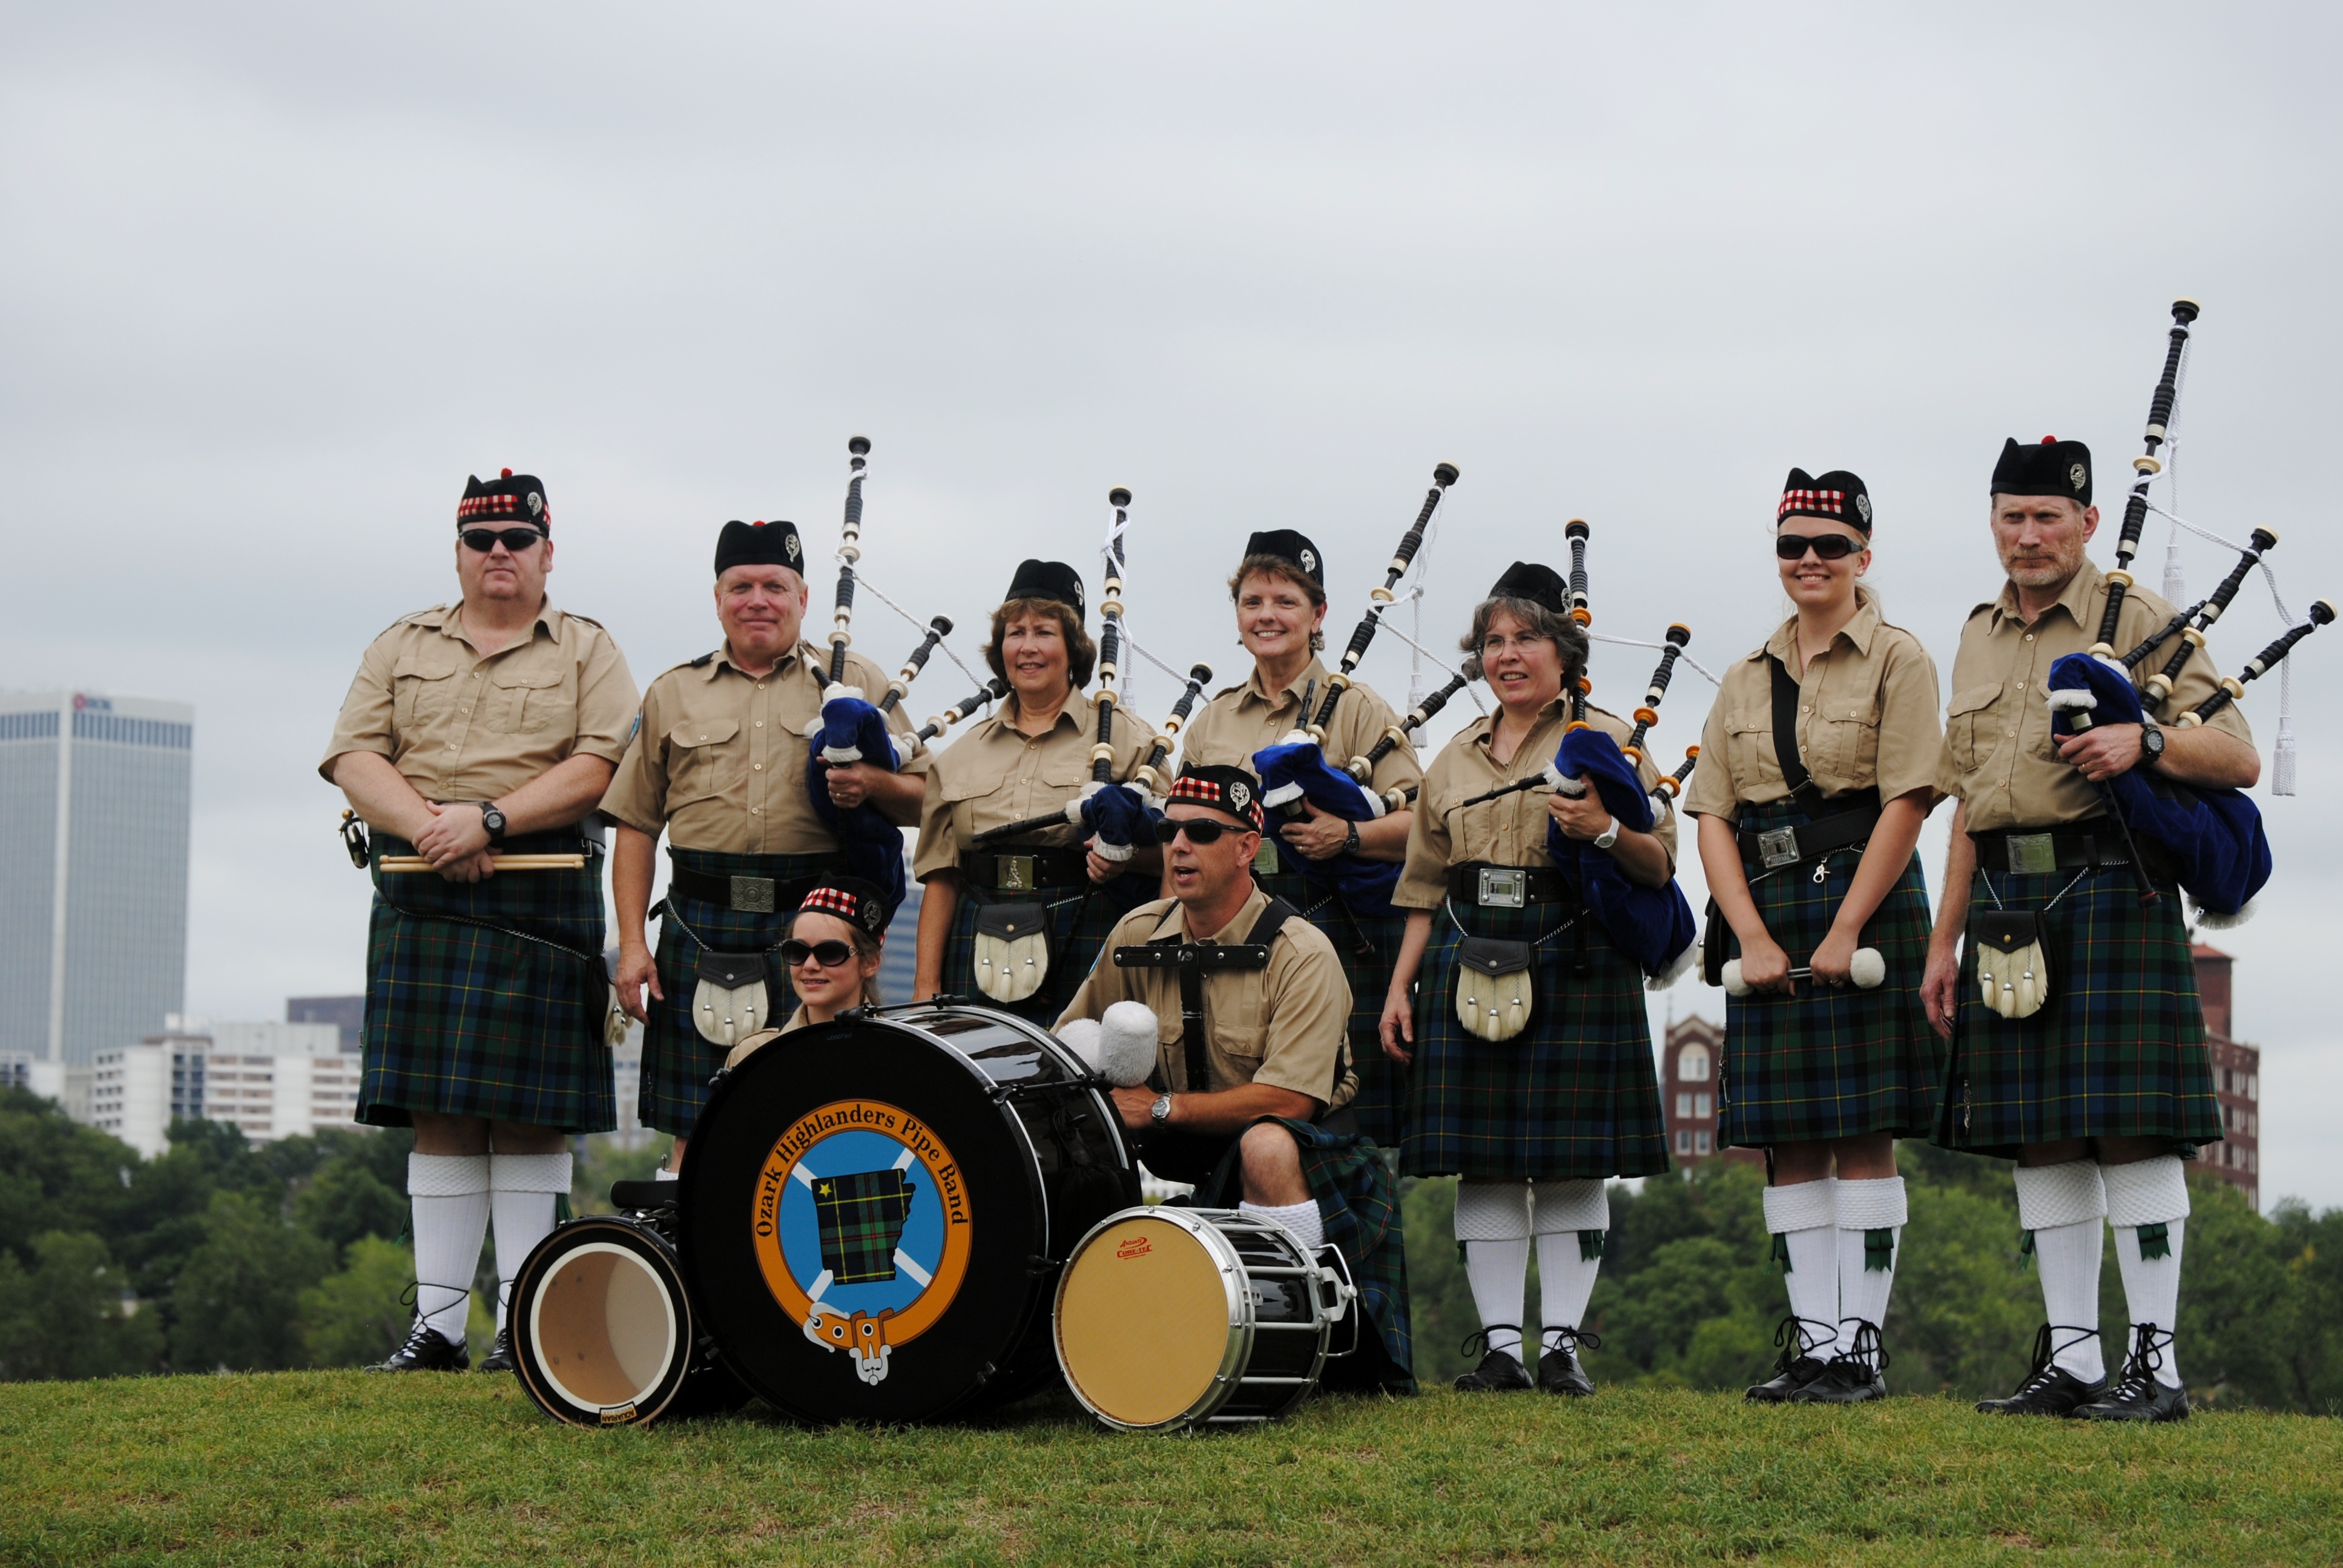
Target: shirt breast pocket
[[423, 692], [1849, 739], [1244, 1045], [705, 758], [533, 702], [1749, 750], [1973, 726]]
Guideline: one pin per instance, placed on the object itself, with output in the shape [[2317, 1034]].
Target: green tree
[[359, 1315], [1963, 1316], [345, 1201], [56, 1175], [235, 1300], [66, 1316]]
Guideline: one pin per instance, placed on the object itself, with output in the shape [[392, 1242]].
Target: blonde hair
[[864, 944]]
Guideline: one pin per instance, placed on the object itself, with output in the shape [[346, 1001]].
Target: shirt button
[[476, 675], [760, 685], [2029, 636], [756, 768], [703, 738], [760, 724]]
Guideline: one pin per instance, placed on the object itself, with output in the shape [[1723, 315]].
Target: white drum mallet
[[1866, 971]]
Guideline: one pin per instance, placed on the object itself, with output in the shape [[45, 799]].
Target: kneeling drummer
[[1252, 1072]]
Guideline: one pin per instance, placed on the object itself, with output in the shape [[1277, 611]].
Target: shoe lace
[[418, 1338], [1790, 1338], [1476, 1346], [1864, 1348], [2039, 1373], [2148, 1346], [1569, 1340]]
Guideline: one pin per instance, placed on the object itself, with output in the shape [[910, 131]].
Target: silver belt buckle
[[1504, 888], [2032, 854], [1778, 847], [1012, 873], [753, 895]]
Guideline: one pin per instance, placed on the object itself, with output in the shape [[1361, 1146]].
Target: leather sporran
[[1012, 950], [1494, 988], [731, 1000], [2013, 971]]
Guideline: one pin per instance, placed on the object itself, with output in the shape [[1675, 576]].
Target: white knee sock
[[1302, 1219], [1565, 1214], [2141, 1197], [450, 1197], [1804, 1215], [1865, 1274], [2063, 1206], [523, 1188], [1493, 1221]]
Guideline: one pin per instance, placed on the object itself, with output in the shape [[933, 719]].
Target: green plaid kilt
[[1831, 1062], [506, 1023], [1366, 944], [677, 1062], [1358, 1204], [2119, 1050], [1572, 1095], [1079, 918]]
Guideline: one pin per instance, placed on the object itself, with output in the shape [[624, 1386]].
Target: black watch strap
[[493, 821]]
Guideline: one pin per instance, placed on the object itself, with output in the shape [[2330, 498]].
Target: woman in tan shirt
[[1808, 849], [1532, 1115]]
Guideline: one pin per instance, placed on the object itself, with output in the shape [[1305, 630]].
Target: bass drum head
[[1146, 1320], [862, 1225], [601, 1325]]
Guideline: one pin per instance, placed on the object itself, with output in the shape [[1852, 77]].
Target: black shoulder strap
[[1785, 729], [1272, 919]]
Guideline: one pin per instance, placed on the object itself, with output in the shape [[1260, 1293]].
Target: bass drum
[[875, 1210], [603, 1331]]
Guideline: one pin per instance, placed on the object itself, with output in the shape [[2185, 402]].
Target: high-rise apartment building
[[95, 805]]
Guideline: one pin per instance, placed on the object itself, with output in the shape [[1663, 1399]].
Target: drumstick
[[1866, 971], [396, 863]]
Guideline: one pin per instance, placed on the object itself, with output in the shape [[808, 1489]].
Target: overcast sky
[[276, 277]]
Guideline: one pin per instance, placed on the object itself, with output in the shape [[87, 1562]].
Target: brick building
[[1689, 1092], [2237, 1080]]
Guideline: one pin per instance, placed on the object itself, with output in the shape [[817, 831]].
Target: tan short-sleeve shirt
[[1285, 1025], [1509, 831], [460, 726], [1866, 719], [719, 757], [994, 774], [1998, 757], [1241, 720]]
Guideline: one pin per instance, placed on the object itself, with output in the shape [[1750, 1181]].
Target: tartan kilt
[[677, 1062], [1079, 919], [465, 1020], [1366, 944], [1831, 1062], [2119, 1050], [1574, 1095], [1358, 1204]]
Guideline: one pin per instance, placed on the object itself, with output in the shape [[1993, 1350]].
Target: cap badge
[[1239, 796], [790, 545], [2079, 476], [1863, 507], [536, 503], [1308, 560]]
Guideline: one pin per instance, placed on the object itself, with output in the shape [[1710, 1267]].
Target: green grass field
[[344, 1468]]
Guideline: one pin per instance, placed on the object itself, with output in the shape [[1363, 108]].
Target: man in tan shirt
[[2100, 1092], [489, 726], [719, 761], [1252, 1049]]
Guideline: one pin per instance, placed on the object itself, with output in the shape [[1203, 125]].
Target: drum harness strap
[[1193, 959]]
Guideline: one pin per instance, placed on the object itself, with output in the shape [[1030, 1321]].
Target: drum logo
[[862, 1229]]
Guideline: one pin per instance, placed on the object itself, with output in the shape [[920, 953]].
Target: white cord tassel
[[2175, 581], [2282, 758]]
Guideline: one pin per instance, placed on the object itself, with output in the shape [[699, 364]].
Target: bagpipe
[[1295, 770]]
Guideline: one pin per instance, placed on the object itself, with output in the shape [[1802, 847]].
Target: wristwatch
[[1609, 836], [2151, 742], [1350, 841], [1161, 1111], [493, 821]]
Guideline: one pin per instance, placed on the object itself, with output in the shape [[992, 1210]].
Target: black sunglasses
[[1829, 546], [1200, 829], [829, 955], [513, 540]]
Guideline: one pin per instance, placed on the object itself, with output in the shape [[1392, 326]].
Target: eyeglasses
[[829, 955], [513, 540], [1829, 546], [1201, 830]]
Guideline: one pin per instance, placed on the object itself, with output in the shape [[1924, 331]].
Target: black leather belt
[[1488, 887], [2018, 852], [1016, 869], [1840, 824], [750, 895]]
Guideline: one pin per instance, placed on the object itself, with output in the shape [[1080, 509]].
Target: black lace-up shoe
[[1854, 1375], [1794, 1368], [2138, 1395], [426, 1350], [500, 1358], [2049, 1389], [1500, 1372], [1559, 1369]]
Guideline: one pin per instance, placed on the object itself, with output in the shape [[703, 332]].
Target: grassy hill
[[343, 1468]]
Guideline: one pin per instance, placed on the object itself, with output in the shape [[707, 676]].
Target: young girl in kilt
[[1534, 1122], [1030, 758], [1809, 852]]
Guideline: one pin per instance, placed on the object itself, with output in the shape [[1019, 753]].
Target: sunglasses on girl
[[513, 540], [1828, 546], [829, 955], [1200, 829]]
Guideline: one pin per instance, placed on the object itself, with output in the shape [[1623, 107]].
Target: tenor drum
[[874, 1210], [1172, 1319], [603, 1330]]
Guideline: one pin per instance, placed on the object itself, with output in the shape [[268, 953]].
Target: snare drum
[[603, 1331], [1171, 1319], [875, 1210]]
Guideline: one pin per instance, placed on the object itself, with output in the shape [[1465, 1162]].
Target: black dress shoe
[[500, 1357], [2138, 1395], [1852, 1376], [1559, 1369], [426, 1350], [1795, 1367], [1500, 1372], [2049, 1389]]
